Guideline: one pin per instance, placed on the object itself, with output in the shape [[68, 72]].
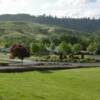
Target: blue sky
[[60, 8]]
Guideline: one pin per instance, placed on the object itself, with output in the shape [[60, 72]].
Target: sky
[[59, 8]]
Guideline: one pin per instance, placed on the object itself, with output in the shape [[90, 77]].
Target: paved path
[[46, 66], [30, 62]]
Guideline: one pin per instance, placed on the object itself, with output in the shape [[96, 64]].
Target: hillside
[[25, 31], [85, 24], [32, 29]]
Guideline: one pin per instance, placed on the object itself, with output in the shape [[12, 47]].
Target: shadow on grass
[[22, 70], [45, 71]]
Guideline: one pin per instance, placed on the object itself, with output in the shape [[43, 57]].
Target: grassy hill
[[13, 31], [27, 28], [78, 84], [27, 33]]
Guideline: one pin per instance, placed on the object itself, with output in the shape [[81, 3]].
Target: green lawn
[[76, 84]]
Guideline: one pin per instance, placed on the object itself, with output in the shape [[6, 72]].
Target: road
[[30, 65], [55, 64]]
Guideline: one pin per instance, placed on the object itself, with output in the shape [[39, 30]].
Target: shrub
[[4, 64]]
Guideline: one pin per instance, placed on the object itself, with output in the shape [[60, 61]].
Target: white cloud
[[75, 8], [60, 8]]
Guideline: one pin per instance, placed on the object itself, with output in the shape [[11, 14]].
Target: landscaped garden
[[48, 47], [36, 53]]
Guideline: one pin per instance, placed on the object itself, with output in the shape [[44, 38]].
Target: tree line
[[83, 24], [51, 43]]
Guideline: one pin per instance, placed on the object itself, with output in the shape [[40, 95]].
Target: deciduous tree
[[19, 51]]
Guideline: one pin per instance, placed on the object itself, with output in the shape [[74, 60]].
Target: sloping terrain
[[27, 28]]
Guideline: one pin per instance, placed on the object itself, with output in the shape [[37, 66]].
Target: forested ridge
[[83, 24]]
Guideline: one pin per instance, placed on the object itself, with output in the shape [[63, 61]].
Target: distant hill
[[14, 31], [85, 24], [15, 28]]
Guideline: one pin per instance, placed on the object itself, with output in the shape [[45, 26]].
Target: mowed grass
[[76, 84]]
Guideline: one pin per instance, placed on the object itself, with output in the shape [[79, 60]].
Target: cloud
[[60, 8], [75, 8]]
